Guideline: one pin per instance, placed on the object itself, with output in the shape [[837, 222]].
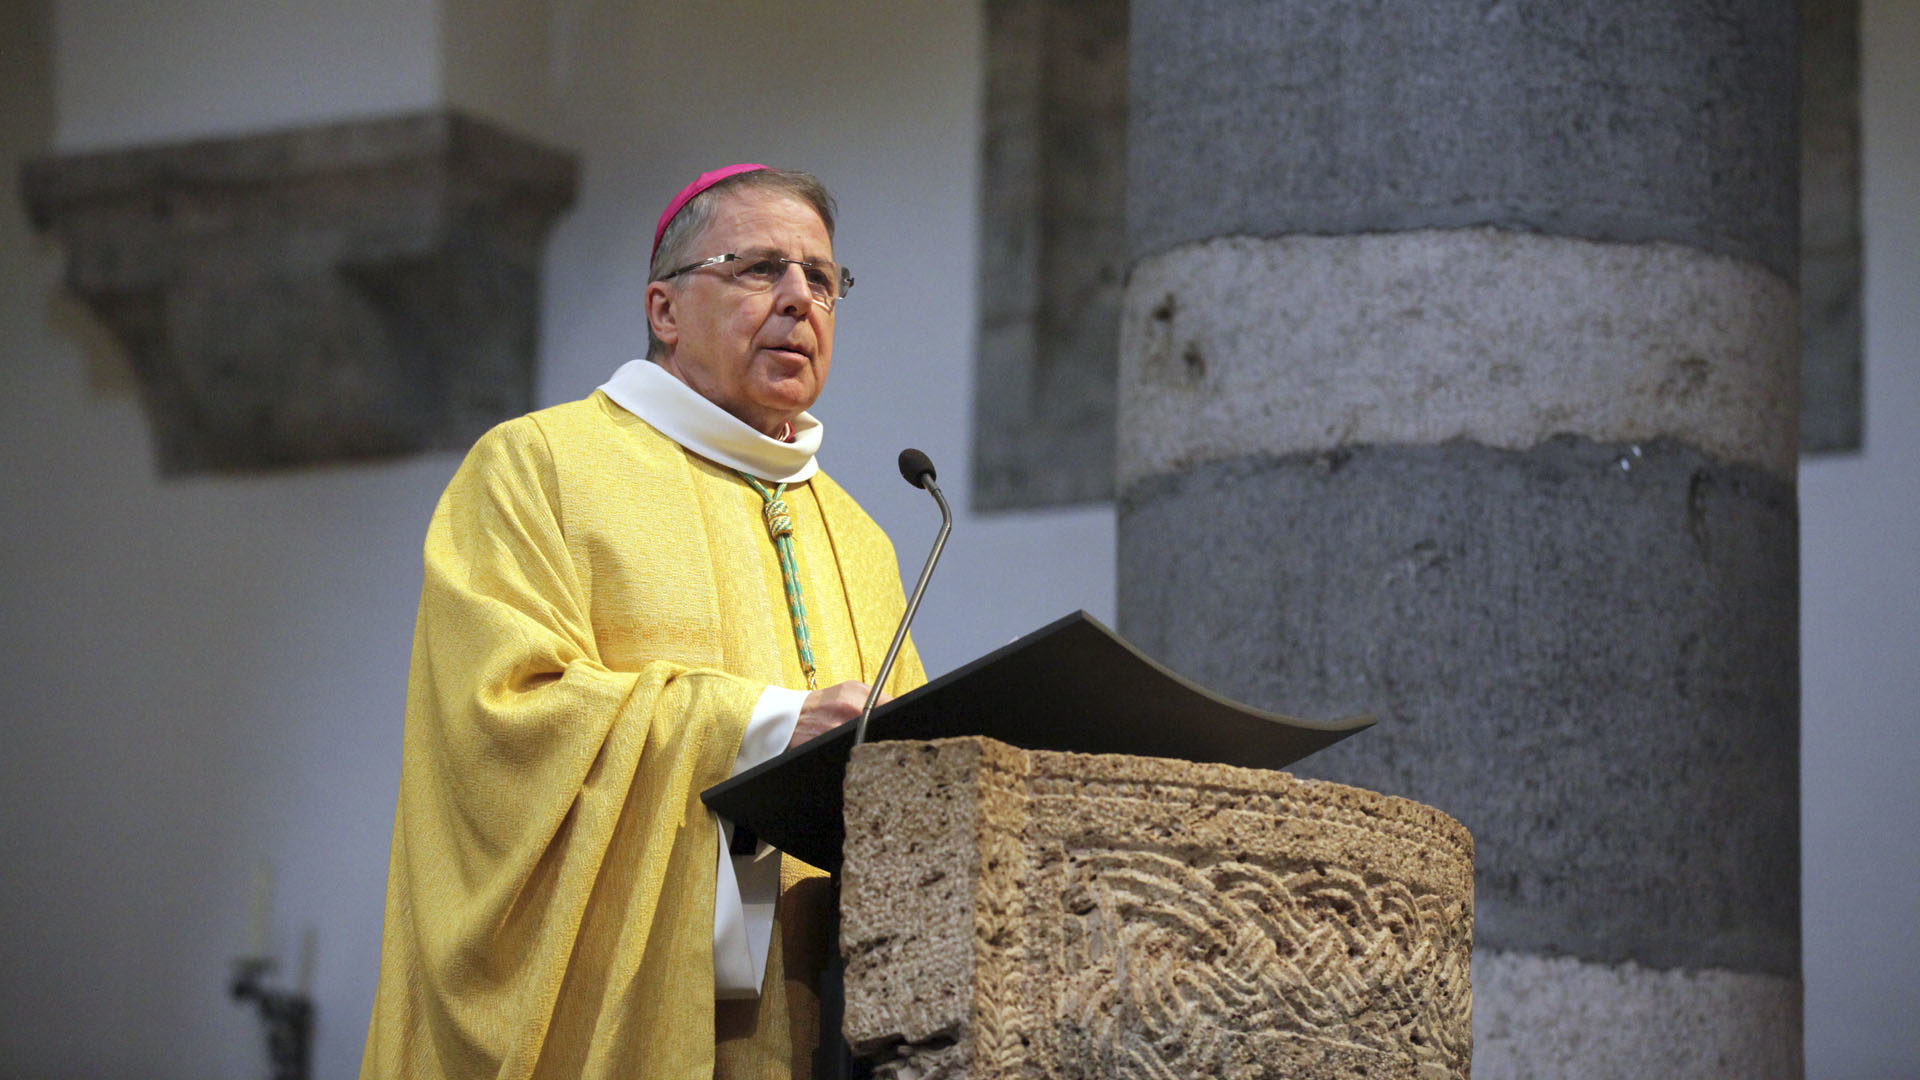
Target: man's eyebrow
[[763, 251]]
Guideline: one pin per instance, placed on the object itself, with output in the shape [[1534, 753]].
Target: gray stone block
[[1587, 653], [1052, 252], [1606, 119], [1830, 315], [1301, 344], [342, 291], [1537, 1016]]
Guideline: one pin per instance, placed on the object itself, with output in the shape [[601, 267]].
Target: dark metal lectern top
[[1071, 685]]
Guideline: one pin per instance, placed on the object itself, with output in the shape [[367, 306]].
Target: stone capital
[[348, 290]]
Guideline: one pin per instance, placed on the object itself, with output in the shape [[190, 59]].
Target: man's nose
[[791, 294]]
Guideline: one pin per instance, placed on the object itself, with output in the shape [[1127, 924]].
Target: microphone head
[[915, 467]]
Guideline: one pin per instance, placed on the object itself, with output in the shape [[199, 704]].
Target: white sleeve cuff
[[746, 889], [747, 886], [770, 727]]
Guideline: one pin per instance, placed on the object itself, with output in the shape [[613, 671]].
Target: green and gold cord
[[780, 529]]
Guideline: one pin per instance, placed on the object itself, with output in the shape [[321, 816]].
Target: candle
[[260, 916], [307, 937]]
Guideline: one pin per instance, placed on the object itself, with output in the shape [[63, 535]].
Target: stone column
[[1458, 385]]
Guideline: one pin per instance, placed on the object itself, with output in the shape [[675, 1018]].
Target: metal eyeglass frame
[[845, 281]]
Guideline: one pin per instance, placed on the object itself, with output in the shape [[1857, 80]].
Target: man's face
[[762, 356]]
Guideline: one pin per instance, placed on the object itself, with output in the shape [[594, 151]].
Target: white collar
[[677, 411]]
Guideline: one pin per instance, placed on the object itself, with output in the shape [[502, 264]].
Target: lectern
[[1063, 859]]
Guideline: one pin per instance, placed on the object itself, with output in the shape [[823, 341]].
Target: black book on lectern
[[1070, 685]]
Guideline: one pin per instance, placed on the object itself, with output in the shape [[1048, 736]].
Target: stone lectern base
[[1010, 913]]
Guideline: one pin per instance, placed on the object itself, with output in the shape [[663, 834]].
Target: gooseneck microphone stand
[[918, 471]]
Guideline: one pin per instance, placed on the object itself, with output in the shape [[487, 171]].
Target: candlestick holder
[[286, 1014]]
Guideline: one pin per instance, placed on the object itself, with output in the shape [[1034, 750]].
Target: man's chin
[[787, 398]]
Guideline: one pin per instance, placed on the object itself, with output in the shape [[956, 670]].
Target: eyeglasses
[[758, 273]]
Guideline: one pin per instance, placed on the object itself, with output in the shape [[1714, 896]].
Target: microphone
[[915, 467], [918, 471]]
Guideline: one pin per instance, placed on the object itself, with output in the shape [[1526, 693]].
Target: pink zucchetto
[[706, 180]]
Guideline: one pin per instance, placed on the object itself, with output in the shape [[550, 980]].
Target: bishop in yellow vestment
[[602, 615]]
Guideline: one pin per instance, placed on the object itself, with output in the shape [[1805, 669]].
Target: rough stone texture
[[1557, 1017], [1300, 344], [1008, 913], [1607, 119], [1830, 225], [1585, 652], [340, 291], [1052, 251], [1035, 446]]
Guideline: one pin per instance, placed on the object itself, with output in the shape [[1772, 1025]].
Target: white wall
[[128, 73], [201, 674], [1860, 626], [198, 675], [501, 58]]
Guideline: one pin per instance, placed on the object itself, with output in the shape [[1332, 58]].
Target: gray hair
[[691, 222]]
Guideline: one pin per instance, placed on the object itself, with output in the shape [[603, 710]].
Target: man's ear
[[662, 318]]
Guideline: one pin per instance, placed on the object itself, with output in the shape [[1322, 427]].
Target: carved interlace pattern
[[1184, 970], [1162, 920]]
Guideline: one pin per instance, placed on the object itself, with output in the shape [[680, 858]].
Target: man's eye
[[763, 270], [818, 280]]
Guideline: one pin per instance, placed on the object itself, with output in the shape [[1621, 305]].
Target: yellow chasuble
[[601, 611]]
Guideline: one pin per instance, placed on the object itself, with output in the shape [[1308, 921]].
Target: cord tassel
[[780, 530]]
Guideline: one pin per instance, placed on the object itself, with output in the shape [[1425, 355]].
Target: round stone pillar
[[1458, 385]]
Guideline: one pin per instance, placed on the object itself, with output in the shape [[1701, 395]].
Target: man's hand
[[827, 709]]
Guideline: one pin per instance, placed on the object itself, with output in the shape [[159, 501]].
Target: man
[[626, 600]]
